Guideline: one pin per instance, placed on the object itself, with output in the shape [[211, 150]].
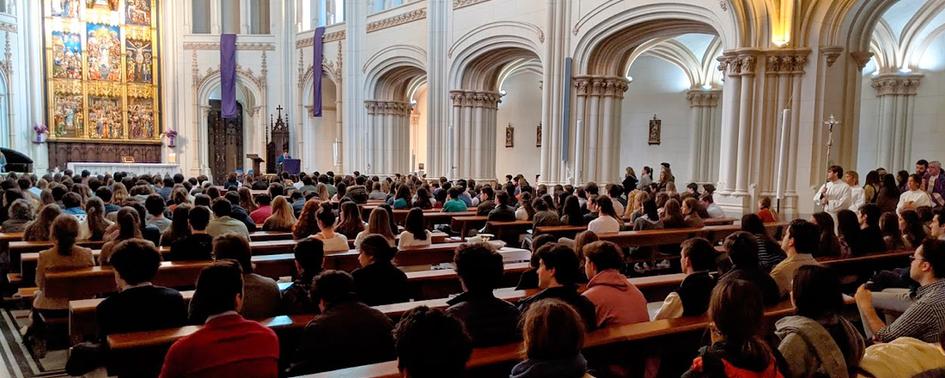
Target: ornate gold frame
[[123, 89]]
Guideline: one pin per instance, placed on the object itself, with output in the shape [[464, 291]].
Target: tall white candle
[[782, 153]]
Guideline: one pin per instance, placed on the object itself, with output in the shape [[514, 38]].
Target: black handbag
[[85, 357]]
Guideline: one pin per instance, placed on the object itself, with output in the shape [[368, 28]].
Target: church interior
[[479, 188]]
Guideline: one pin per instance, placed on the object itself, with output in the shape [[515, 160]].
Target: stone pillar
[[704, 163], [387, 137], [474, 134], [896, 94], [597, 138], [440, 152]]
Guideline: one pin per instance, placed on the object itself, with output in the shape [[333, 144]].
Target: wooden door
[[226, 142]]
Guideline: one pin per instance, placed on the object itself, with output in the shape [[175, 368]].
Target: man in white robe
[[835, 195]]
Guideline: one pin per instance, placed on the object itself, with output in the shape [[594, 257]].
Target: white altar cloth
[[135, 168]]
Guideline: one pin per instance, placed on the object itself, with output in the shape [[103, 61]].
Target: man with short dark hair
[[925, 318], [558, 267], [105, 194], [155, 206], [489, 320], [871, 237], [198, 244], [263, 211], [921, 166], [692, 296], [486, 203], [616, 300], [223, 222], [430, 344], [261, 295], [227, 345], [347, 332], [937, 225], [454, 204], [139, 305], [800, 241], [834, 195]]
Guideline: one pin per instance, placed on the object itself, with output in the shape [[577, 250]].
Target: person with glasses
[[924, 319]]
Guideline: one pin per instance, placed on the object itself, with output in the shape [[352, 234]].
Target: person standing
[[835, 194], [934, 183]]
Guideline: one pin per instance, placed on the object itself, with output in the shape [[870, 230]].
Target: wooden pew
[[482, 358], [504, 356], [269, 235], [19, 247]]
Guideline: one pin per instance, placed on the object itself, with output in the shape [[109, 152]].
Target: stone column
[[387, 137], [896, 94], [704, 163], [440, 132], [597, 139], [474, 133]]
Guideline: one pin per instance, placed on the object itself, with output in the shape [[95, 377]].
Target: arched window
[[200, 16], [259, 17], [317, 13]]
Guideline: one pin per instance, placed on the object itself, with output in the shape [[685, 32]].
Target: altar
[[135, 168]]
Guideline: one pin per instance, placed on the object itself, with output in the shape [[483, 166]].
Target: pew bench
[[482, 359]]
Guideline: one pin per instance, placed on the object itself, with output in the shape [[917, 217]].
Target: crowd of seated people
[[581, 286]]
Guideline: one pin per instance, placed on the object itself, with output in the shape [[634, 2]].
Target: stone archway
[[472, 132]]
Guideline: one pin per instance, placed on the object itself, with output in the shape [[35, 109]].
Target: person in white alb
[[913, 198], [857, 194], [835, 195]]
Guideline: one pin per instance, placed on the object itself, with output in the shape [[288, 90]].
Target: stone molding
[[244, 46], [475, 99], [400, 19], [328, 37], [896, 84], [699, 98], [606, 86], [7, 27], [457, 4], [398, 108]]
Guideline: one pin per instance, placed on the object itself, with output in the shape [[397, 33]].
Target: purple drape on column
[[228, 75], [319, 48]]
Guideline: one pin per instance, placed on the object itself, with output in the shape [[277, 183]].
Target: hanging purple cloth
[[228, 75], [319, 47]]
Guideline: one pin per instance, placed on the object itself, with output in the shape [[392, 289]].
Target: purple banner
[[319, 48], [228, 75]]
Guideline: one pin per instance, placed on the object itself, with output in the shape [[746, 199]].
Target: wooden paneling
[[61, 153]]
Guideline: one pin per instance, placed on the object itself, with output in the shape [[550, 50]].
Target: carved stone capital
[[729, 64], [475, 99], [786, 61], [896, 84], [831, 54], [699, 98], [379, 107], [605, 86], [861, 58]]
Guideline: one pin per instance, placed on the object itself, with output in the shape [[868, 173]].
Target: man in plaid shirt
[[924, 319]]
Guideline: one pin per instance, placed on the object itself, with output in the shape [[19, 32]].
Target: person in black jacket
[[871, 237], [692, 296], [489, 320], [378, 281], [347, 332], [239, 213], [198, 245], [558, 267], [742, 248], [139, 305]]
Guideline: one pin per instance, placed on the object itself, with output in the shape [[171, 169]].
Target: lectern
[[256, 161]]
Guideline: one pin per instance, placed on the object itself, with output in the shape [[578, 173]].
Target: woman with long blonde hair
[[119, 193], [378, 223], [306, 225], [321, 192], [282, 218]]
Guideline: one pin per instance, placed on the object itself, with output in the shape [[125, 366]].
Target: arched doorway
[[225, 142]]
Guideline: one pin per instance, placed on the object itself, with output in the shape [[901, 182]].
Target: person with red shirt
[[263, 211], [227, 345], [764, 211]]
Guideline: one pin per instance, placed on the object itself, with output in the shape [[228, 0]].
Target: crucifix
[[830, 123]]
